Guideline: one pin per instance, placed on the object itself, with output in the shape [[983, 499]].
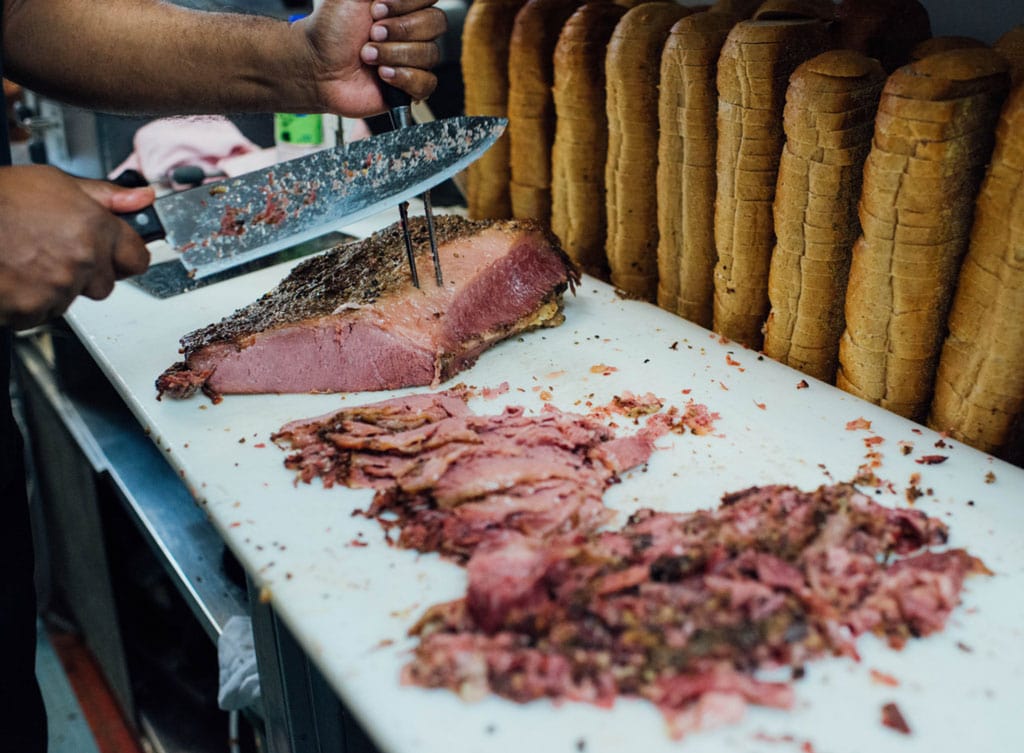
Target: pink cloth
[[201, 141]]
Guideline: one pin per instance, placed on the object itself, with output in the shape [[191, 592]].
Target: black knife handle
[[393, 96], [144, 222]]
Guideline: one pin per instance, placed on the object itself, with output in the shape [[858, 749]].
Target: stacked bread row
[[732, 172]]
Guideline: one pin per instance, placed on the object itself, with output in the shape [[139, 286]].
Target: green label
[[298, 129]]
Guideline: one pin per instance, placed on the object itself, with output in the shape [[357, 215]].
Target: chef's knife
[[223, 225]]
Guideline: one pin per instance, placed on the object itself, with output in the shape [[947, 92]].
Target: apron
[[22, 716]]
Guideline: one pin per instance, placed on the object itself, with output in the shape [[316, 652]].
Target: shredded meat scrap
[[449, 479], [680, 609], [683, 609]]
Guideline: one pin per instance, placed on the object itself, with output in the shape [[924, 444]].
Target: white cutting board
[[350, 606]]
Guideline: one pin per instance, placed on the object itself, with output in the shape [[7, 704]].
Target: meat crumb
[[990, 478], [674, 346], [931, 459], [905, 447], [858, 423], [893, 718], [490, 393], [883, 678], [802, 384], [964, 647]]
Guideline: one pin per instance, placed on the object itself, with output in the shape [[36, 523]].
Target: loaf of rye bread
[[581, 134], [933, 138], [485, 41], [756, 62], [815, 209], [687, 113], [979, 388], [1011, 47], [886, 30], [531, 110], [632, 69]]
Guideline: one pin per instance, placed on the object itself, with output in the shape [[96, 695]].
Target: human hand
[[59, 240], [355, 40]]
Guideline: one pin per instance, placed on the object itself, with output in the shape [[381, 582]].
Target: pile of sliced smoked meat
[[684, 610]]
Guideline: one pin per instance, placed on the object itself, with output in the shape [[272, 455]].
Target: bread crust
[[1011, 47], [944, 44], [886, 30]]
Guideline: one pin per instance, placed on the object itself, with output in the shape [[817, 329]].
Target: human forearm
[[151, 56]]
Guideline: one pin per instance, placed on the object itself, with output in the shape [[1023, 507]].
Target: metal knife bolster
[[401, 116]]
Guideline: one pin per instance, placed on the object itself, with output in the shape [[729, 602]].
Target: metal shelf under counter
[[84, 440]]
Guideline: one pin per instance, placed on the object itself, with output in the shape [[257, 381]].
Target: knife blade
[[222, 225]]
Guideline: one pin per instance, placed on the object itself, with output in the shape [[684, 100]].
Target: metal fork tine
[[429, 211], [403, 210]]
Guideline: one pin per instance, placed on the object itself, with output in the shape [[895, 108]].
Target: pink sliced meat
[[449, 480]]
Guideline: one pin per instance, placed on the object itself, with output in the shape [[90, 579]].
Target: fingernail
[[386, 72], [378, 33], [370, 53], [379, 11]]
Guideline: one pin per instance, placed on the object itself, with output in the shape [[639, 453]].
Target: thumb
[[116, 198]]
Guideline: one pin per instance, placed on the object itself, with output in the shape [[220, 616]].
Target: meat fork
[[400, 105]]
